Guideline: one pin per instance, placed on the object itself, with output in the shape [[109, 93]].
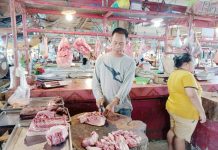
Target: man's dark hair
[[120, 31], [184, 58]]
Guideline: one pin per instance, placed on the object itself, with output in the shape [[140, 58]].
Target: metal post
[[104, 25], [25, 38], [190, 21], [166, 38], [14, 34]]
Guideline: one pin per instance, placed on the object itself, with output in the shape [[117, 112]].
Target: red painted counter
[[148, 102]]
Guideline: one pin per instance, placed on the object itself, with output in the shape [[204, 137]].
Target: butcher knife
[[104, 112], [101, 109]]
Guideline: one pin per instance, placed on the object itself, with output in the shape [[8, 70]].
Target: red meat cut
[[93, 118]]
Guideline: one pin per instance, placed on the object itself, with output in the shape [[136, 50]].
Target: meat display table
[[210, 104], [148, 102], [117, 122], [206, 134]]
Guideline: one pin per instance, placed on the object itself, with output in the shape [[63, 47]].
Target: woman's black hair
[[184, 58]]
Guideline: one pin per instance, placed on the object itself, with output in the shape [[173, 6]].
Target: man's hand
[[100, 102], [110, 107]]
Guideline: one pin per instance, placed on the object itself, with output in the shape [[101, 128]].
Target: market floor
[[160, 145], [157, 145]]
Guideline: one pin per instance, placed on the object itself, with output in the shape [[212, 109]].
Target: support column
[[166, 38], [25, 38], [14, 34]]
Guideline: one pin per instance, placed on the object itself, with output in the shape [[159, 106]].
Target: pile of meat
[[57, 135], [81, 45], [47, 126], [56, 101], [55, 105], [44, 120], [64, 55], [117, 140], [92, 118]]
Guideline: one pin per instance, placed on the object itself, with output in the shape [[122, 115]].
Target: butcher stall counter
[[148, 102], [115, 123]]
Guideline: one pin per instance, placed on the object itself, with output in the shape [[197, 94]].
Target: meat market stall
[[44, 20]]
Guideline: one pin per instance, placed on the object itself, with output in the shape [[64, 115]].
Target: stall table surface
[[114, 122]]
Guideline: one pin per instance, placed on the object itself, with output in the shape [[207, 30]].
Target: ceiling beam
[[82, 15], [154, 6], [103, 9], [108, 14], [88, 33]]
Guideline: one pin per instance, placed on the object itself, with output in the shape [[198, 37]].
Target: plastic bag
[[177, 42], [22, 93], [11, 70]]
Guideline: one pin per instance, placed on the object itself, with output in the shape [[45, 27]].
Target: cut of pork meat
[[45, 114], [93, 118], [93, 148], [64, 55], [56, 135], [81, 45], [90, 141], [116, 140], [44, 120], [56, 101], [30, 112]]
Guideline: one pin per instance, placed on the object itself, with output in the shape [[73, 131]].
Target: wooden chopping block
[[210, 104], [115, 122]]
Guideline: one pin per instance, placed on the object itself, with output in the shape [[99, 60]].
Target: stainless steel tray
[[9, 119], [18, 135], [38, 101]]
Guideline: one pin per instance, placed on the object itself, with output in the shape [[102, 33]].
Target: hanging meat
[[81, 45], [64, 54], [97, 48], [128, 50]]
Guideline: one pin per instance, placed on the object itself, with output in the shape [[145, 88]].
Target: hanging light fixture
[[69, 14]]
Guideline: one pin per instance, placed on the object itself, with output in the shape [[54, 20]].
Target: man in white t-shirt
[[113, 76]]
